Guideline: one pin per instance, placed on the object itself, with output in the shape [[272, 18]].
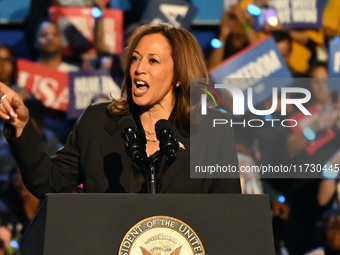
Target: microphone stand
[[141, 162], [148, 166], [151, 173], [168, 161]]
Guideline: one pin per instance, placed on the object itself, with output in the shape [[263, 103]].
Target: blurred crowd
[[306, 213]]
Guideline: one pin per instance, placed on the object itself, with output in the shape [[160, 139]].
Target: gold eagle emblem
[[177, 251]]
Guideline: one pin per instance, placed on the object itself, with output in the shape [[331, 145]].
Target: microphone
[[134, 146], [167, 142]]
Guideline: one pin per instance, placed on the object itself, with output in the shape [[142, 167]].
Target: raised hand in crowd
[[99, 42], [5, 239], [236, 32], [101, 3], [280, 209], [246, 21], [228, 21], [243, 16]]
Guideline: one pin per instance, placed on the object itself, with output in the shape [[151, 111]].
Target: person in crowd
[[7, 76], [304, 50], [49, 47], [39, 11], [328, 231], [236, 33], [7, 66], [159, 62], [106, 59], [5, 239], [99, 34], [321, 103], [331, 121], [284, 43], [329, 186], [331, 19], [313, 141], [21, 205], [8, 71], [37, 112], [250, 181], [305, 44], [270, 141]]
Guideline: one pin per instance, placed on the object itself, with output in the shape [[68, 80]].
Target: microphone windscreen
[[161, 125], [127, 122]]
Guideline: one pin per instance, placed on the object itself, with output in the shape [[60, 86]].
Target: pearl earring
[[177, 85]]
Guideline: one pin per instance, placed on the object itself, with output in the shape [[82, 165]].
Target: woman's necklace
[[149, 139]]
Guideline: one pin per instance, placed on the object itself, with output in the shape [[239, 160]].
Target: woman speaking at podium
[[159, 62]]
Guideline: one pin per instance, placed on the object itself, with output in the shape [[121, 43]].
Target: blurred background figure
[[328, 230], [315, 143], [21, 206], [38, 113], [5, 242], [48, 44], [284, 43], [106, 59], [331, 19], [235, 33], [8, 67], [250, 180], [49, 47]]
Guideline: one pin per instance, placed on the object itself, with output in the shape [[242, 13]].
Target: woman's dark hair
[[189, 63]]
